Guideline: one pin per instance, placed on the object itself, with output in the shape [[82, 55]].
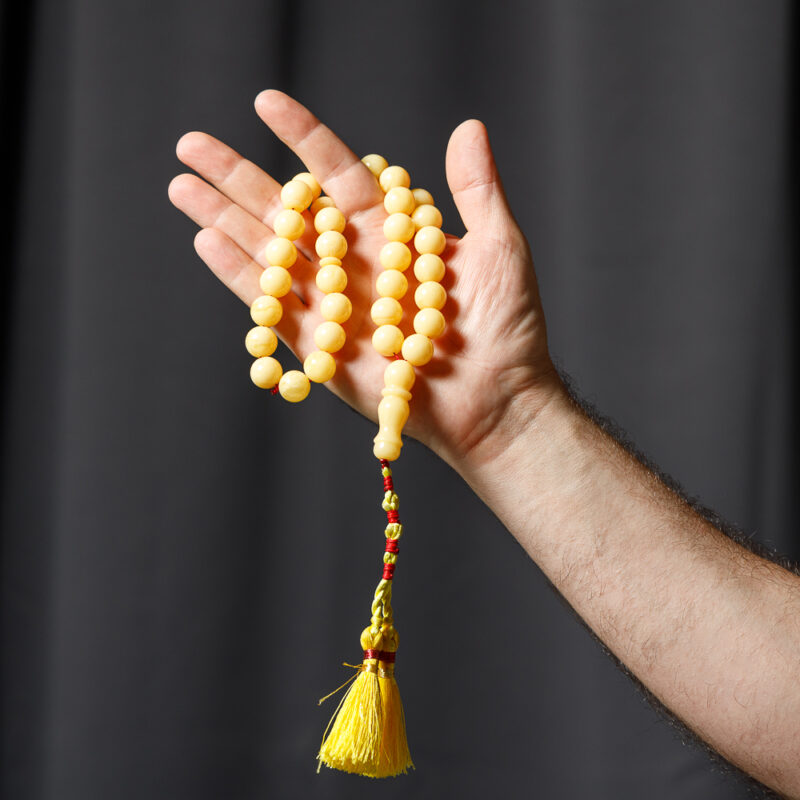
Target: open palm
[[495, 345]]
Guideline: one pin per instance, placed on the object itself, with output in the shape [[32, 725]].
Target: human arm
[[710, 628]]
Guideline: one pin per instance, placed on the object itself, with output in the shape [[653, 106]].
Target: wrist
[[531, 420]]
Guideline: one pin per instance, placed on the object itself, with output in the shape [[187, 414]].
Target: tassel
[[367, 733], [394, 757], [353, 744]]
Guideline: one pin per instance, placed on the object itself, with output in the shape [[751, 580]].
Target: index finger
[[338, 169]]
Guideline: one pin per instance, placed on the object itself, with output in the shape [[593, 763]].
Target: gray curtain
[[188, 560]]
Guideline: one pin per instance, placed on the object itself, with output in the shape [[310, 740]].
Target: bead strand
[[411, 215], [300, 193]]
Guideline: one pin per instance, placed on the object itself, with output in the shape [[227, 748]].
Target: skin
[[710, 628]]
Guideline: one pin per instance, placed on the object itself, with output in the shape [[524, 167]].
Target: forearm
[[710, 628]]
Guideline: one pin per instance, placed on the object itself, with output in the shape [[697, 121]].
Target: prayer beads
[[300, 193]]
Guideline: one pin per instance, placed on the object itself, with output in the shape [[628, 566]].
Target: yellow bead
[[294, 386], [386, 311], [329, 336], [296, 195], [266, 311], [261, 342], [330, 260], [310, 181], [276, 281], [429, 240], [387, 340], [399, 374], [375, 163], [399, 201], [329, 219], [427, 215], [320, 203], [429, 267], [336, 307], [395, 255], [430, 295], [422, 197], [280, 252], [430, 322], [394, 176], [331, 278], [391, 283], [289, 224], [331, 244], [265, 372], [398, 228], [319, 366], [417, 349]]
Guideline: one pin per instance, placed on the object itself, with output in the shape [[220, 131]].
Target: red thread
[[387, 656], [397, 357], [392, 546], [274, 389], [388, 571], [371, 654], [392, 516]]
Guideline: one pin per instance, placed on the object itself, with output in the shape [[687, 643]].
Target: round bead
[[329, 219], [319, 366], [265, 372], [429, 240], [399, 200], [429, 267], [320, 203], [399, 373], [395, 255], [391, 283], [331, 244], [276, 281], [336, 307], [261, 342], [331, 278], [427, 215], [289, 224], [422, 197], [430, 322], [294, 386], [266, 310], [430, 295], [375, 163], [417, 349], [310, 181], [386, 311], [329, 336], [387, 340], [398, 228], [296, 195], [394, 176], [280, 252]]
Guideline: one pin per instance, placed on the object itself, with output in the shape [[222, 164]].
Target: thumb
[[474, 181]]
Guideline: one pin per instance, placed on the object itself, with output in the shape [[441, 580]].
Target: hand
[[494, 348]]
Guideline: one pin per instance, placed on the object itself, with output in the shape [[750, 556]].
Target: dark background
[[187, 560]]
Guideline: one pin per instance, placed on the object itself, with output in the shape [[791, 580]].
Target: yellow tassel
[[394, 757], [354, 741]]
